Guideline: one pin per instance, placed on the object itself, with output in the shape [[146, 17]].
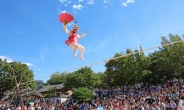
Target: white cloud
[[63, 11], [104, 7], [80, 0], [106, 1], [65, 3], [28, 64], [91, 2], [124, 4], [75, 12], [59, 9], [130, 1], [69, 1], [62, 1], [78, 7], [7, 59]]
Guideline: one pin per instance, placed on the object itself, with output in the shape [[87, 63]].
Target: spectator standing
[[181, 104]]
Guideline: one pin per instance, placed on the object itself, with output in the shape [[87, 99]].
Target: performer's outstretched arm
[[81, 36], [66, 30]]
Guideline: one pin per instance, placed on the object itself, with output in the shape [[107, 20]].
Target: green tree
[[83, 77], [141, 65], [113, 71], [129, 68], [82, 94], [7, 82], [101, 80], [168, 61], [19, 69], [58, 77], [6, 77]]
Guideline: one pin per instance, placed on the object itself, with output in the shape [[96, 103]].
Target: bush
[[82, 94]]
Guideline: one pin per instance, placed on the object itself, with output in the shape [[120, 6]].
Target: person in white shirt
[[181, 104]]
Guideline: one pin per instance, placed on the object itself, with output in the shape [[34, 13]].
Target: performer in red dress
[[72, 41]]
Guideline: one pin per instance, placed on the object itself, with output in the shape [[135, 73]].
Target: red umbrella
[[65, 17]]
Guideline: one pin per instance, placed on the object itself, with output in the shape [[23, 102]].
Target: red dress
[[72, 39]]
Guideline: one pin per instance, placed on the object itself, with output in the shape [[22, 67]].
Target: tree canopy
[[82, 94], [83, 77], [58, 77], [7, 81], [157, 67]]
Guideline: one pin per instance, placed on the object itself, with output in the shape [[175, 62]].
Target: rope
[[114, 58]]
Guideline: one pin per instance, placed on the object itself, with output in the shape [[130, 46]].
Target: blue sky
[[31, 33]]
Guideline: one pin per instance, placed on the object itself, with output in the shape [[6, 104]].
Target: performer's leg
[[75, 53], [81, 55], [74, 47], [82, 49]]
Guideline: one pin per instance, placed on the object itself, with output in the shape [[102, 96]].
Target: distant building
[[38, 84], [59, 91], [28, 95]]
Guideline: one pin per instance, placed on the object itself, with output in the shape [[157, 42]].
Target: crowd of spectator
[[167, 96]]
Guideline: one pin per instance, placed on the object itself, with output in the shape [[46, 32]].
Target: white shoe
[[82, 58], [74, 56]]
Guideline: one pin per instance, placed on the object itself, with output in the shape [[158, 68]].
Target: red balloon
[[65, 17]]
